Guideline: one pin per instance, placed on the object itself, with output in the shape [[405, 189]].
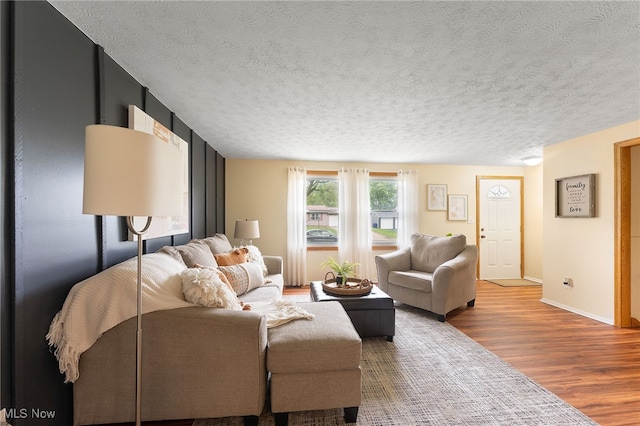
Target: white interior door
[[500, 228]]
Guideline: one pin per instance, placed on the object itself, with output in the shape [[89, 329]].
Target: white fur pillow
[[203, 287]]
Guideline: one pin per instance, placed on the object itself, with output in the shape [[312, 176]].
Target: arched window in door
[[499, 191]]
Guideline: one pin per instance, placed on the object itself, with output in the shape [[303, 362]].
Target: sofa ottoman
[[315, 365]]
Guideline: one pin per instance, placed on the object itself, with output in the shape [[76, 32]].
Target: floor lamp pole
[[139, 235]]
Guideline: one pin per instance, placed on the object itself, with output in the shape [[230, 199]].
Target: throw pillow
[[231, 258], [254, 255], [218, 243], [226, 282], [243, 276], [203, 287], [220, 274], [171, 251], [196, 251]]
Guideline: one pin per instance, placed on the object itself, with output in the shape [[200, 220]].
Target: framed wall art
[[576, 196], [170, 225], [457, 207], [436, 197]]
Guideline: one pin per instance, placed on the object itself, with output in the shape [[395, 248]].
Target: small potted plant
[[343, 270]]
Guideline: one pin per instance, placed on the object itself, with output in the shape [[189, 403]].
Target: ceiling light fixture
[[533, 160]]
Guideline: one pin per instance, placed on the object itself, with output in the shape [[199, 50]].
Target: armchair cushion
[[428, 251], [414, 280]]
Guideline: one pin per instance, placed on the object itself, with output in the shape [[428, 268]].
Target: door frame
[[521, 179], [622, 233]]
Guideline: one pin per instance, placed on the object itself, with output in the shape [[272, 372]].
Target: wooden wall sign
[[576, 196]]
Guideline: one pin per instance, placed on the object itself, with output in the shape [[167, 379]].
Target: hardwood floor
[[593, 366]]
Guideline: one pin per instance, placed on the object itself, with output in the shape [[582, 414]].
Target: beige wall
[[533, 222], [257, 189], [582, 249]]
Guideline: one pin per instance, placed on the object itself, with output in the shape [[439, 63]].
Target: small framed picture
[[457, 207], [436, 197]]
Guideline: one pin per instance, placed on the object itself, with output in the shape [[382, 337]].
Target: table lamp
[[247, 230]]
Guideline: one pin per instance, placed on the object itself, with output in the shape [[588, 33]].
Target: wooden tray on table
[[353, 286]]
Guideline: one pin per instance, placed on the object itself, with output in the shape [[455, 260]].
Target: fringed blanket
[[279, 311], [108, 298]]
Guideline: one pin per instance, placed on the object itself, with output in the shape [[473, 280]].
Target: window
[[499, 191], [383, 194], [322, 209], [323, 212]]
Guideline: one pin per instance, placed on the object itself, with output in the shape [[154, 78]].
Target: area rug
[[514, 283], [433, 374]]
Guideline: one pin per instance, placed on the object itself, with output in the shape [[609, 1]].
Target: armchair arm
[[274, 264], [454, 282], [399, 260]]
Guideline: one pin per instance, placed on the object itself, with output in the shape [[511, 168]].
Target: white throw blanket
[[108, 298], [279, 311]]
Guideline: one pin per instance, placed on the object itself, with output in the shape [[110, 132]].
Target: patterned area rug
[[514, 283], [433, 374]]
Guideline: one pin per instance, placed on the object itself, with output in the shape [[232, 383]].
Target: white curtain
[[296, 264], [354, 244], [408, 207]]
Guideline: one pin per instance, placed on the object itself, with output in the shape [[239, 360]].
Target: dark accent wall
[[55, 81]]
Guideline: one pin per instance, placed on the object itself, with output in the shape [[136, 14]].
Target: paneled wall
[[55, 81]]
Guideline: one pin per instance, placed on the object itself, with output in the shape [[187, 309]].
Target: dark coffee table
[[372, 314]]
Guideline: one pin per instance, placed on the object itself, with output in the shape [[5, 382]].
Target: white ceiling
[[454, 82]]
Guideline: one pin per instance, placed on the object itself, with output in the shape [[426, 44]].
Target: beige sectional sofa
[[198, 362]]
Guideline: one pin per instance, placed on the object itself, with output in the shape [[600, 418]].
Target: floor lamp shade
[[131, 173]]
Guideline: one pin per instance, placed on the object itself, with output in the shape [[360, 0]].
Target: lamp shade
[[130, 173], [247, 229]]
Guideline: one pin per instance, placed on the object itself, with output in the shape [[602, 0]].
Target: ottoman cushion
[[329, 342]]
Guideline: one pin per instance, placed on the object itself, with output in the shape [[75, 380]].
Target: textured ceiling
[[454, 82]]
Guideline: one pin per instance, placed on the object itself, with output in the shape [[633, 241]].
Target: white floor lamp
[[131, 173]]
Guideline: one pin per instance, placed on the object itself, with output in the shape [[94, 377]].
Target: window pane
[[499, 191], [384, 211], [322, 211]]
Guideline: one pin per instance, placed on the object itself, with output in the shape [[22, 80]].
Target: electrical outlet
[[567, 283]]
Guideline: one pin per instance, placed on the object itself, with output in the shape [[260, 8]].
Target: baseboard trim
[[577, 311], [535, 280]]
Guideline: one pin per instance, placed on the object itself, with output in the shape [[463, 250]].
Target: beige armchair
[[437, 274]]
